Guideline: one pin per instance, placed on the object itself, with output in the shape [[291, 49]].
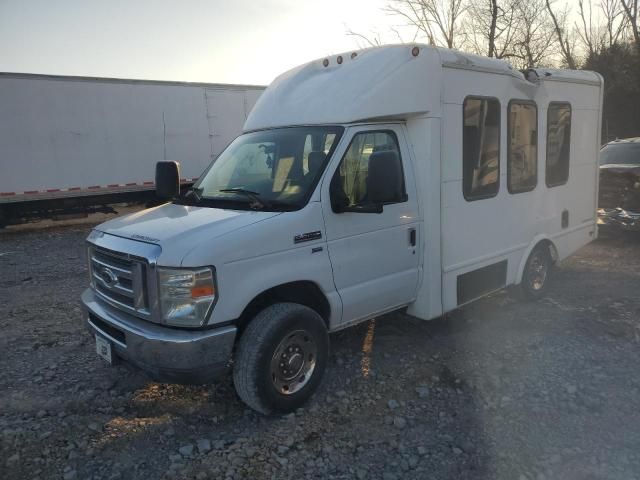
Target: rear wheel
[[281, 358], [535, 277]]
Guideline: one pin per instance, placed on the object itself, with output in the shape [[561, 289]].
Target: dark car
[[619, 198]]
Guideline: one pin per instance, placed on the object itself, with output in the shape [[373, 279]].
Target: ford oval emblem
[[108, 277]]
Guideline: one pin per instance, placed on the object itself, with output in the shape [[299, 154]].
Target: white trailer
[[395, 177], [73, 142]]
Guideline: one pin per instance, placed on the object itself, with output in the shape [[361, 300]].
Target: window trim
[[405, 196], [464, 103], [522, 102], [546, 160]]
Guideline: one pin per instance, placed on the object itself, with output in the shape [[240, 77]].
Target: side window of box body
[[522, 146], [481, 132], [558, 148]]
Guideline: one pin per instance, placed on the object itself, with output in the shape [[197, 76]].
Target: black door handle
[[412, 237]]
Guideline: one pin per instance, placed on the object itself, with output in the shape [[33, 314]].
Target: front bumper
[[165, 354]]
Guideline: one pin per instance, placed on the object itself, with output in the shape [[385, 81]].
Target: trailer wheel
[[536, 273], [281, 358]]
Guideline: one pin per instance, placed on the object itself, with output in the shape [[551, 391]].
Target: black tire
[[261, 373], [537, 270]]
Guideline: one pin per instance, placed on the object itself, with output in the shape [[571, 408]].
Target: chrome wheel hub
[[293, 362]]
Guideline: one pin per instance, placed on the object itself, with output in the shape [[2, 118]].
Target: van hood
[[179, 228]]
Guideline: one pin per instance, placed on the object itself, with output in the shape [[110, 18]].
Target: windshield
[[268, 170], [620, 154]]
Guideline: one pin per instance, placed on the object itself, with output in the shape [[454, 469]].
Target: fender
[[285, 248], [261, 273]]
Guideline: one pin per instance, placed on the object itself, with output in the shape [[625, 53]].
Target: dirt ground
[[498, 390]]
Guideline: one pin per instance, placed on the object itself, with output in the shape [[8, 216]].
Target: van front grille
[[119, 280]]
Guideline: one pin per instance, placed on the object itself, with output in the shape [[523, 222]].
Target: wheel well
[[544, 242], [553, 251], [303, 292]]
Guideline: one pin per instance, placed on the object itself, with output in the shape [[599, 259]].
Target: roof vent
[[531, 75]]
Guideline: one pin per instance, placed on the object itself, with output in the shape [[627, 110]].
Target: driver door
[[374, 256]]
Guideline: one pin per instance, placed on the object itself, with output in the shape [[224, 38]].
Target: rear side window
[[480, 148], [522, 142], [558, 141]]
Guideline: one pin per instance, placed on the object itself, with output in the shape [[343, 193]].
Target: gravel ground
[[500, 389]]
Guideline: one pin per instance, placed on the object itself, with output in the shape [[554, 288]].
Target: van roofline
[[386, 82]]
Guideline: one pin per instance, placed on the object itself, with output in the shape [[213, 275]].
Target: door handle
[[412, 237]]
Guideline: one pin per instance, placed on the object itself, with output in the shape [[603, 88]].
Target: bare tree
[[614, 19], [533, 44], [588, 30], [491, 27], [374, 39], [438, 21], [630, 8], [564, 35], [525, 32], [602, 27]]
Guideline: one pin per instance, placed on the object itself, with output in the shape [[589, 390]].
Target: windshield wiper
[[250, 194]]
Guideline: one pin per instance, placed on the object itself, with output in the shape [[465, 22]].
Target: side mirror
[[167, 180]]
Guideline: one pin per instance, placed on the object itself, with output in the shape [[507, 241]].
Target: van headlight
[[186, 295]]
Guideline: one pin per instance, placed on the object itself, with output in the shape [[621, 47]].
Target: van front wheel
[[281, 358]]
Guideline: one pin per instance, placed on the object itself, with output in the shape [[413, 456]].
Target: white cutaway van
[[399, 177]]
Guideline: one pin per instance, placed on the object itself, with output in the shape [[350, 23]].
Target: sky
[[217, 41]]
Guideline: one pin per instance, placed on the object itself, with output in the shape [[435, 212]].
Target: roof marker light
[[325, 62], [415, 51], [339, 60], [354, 55]]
